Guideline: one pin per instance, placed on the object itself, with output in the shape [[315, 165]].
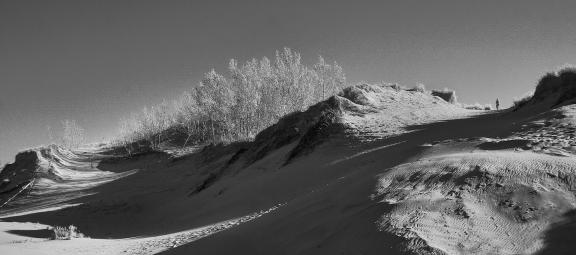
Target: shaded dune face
[[45, 177], [15, 176]]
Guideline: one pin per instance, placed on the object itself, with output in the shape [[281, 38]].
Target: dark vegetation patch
[[447, 95], [559, 87], [460, 211]]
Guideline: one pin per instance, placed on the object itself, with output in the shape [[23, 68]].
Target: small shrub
[[420, 88], [72, 134], [66, 233]]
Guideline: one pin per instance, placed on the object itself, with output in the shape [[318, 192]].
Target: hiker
[[497, 104]]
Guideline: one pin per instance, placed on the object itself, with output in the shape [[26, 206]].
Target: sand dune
[[389, 171]]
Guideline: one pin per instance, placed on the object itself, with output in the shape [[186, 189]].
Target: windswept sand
[[410, 174]]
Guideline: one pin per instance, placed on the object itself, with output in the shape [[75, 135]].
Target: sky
[[96, 61]]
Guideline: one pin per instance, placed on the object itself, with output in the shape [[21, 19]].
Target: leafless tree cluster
[[253, 96], [72, 134]]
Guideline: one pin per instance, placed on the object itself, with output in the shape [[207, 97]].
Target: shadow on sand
[[560, 238], [137, 161], [37, 233]]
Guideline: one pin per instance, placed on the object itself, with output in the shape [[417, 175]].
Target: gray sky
[[95, 61]]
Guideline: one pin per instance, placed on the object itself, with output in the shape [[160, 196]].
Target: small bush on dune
[[420, 88], [66, 233], [72, 134]]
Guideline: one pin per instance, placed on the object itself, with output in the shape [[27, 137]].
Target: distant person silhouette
[[497, 104]]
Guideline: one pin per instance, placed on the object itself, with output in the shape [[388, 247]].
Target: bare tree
[[128, 134], [254, 96], [73, 134], [154, 121], [187, 116]]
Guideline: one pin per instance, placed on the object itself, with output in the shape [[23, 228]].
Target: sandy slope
[[478, 202], [408, 173]]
